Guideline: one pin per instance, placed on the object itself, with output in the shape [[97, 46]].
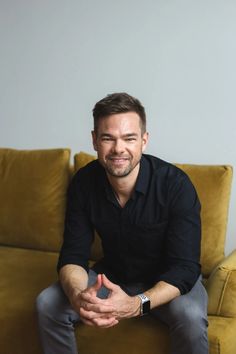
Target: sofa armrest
[[221, 288]]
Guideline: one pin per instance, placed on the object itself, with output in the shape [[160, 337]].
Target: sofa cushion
[[143, 334], [134, 335], [24, 274], [221, 288], [33, 187], [81, 159], [221, 334]]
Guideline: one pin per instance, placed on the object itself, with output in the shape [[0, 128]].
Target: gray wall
[[178, 57]]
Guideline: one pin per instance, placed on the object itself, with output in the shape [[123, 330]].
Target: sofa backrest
[[33, 186], [213, 185]]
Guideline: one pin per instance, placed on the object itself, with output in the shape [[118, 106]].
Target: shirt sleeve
[[183, 243], [78, 230]]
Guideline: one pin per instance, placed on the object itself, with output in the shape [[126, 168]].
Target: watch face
[[146, 307]]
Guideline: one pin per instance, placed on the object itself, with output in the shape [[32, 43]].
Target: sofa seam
[[223, 293]]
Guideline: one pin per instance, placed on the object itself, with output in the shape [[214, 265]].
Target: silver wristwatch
[[144, 305]]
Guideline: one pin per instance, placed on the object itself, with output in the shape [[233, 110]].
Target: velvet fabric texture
[[33, 187], [81, 159], [221, 333], [221, 288], [148, 336], [24, 273]]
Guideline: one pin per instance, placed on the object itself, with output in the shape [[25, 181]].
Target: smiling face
[[120, 143]]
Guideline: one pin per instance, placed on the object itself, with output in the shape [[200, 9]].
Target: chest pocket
[[148, 240]]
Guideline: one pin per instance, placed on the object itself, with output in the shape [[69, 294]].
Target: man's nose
[[119, 146]]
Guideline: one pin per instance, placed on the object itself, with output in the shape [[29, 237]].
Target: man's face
[[119, 143]]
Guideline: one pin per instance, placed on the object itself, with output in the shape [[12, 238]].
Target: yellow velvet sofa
[[33, 187]]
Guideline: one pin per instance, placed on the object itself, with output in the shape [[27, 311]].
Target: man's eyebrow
[[123, 136], [130, 135], [106, 134]]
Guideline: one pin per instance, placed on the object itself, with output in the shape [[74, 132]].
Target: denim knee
[[53, 305], [44, 303], [51, 301], [188, 319]]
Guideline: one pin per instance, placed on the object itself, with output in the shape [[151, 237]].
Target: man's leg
[[57, 319], [186, 317]]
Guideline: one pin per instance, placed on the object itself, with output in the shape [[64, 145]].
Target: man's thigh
[[53, 302], [185, 308]]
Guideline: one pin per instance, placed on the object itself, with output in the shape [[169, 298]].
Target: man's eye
[[130, 139], [106, 139]]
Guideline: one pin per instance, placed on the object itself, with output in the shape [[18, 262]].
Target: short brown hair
[[118, 103]]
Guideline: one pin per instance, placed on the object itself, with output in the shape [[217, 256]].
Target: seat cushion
[[144, 335], [23, 274], [148, 336], [221, 333], [221, 288], [33, 187]]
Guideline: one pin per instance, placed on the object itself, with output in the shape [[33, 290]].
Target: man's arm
[[119, 305], [183, 236], [78, 230], [78, 235], [161, 293], [73, 264], [73, 279]]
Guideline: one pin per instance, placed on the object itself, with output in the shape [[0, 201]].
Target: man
[[146, 212]]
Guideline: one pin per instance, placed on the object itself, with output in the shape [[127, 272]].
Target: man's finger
[[107, 283], [99, 308], [102, 324], [90, 315], [97, 285], [91, 298], [87, 298], [105, 322], [87, 322]]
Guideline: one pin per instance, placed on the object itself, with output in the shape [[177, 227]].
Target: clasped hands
[[107, 312]]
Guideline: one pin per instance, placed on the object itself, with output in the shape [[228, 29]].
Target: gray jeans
[[186, 317]]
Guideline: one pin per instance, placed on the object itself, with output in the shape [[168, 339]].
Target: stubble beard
[[119, 172]]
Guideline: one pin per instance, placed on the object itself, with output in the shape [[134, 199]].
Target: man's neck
[[123, 186]]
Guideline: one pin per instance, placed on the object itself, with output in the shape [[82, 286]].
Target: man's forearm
[[161, 293], [73, 279]]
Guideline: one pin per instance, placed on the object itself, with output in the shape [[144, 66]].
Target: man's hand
[[125, 306], [94, 311], [106, 312]]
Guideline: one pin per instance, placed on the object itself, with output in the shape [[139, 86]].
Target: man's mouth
[[118, 160]]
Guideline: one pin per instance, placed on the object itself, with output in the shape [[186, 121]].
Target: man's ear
[[144, 141], [94, 138]]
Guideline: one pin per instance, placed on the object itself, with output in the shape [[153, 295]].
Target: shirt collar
[[143, 176], [142, 179]]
